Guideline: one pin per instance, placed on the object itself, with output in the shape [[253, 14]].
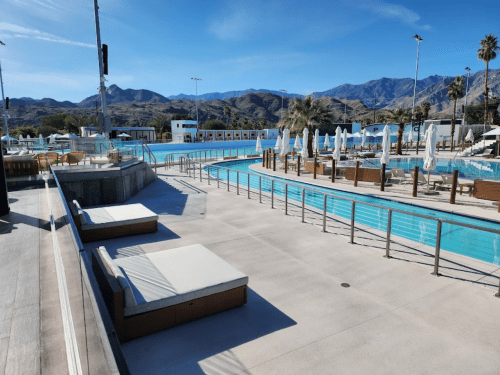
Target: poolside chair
[[421, 178], [487, 153], [399, 175], [447, 181]]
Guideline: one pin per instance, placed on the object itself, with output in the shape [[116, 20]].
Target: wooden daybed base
[[365, 174], [131, 327]]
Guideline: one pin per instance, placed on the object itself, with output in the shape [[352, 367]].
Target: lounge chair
[[74, 157], [20, 165], [105, 222], [421, 178], [399, 175], [487, 153], [150, 292], [446, 183]]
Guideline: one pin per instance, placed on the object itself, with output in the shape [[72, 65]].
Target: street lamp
[[466, 92], [4, 195], [196, 101], [418, 39], [281, 114]]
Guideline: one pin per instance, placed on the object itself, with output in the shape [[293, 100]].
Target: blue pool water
[[472, 169], [470, 242]]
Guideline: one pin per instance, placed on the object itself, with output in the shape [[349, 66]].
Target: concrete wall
[[94, 187]]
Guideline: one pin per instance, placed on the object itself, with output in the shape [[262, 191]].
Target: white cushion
[[170, 277], [83, 220], [119, 276], [111, 216]]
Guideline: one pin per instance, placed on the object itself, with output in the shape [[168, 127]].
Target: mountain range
[[385, 93]]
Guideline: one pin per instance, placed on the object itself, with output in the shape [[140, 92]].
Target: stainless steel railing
[[193, 168]]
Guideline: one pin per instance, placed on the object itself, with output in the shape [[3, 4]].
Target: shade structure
[[97, 135], [28, 137], [21, 138], [327, 141], [430, 151], [279, 143], [286, 143], [344, 139], [470, 136], [8, 138], [379, 134], [52, 139], [367, 133], [305, 152], [491, 132], [386, 146], [410, 135], [258, 145], [363, 138], [69, 136], [316, 140], [297, 143], [336, 153], [124, 135]]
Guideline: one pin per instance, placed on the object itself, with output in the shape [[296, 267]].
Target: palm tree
[[400, 116], [487, 52], [227, 113], [425, 108], [455, 92], [306, 113]]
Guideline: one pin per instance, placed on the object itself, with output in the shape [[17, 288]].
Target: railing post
[[438, 249], [274, 161], [298, 165], [388, 240], [333, 170], [218, 177], [382, 178], [228, 180], [272, 193], [194, 169], [286, 199], [286, 164], [353, 209], [314, 168], [205, 156], [324, 213], [237, 182], [260, 189], [453, 192], [208, 174], [248, 185], [263, 158], [303, 204], [415, 180], [356, 173]]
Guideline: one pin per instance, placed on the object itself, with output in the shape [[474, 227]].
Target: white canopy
[[8, 138], [279, 143], [327, 141], [297, 143], [336, 153], [491, 132], [305, 153], [386, 146], [69, 135], [286, 143], [356, 135], [470, 136], [258, 145]]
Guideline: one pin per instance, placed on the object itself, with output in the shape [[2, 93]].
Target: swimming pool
[[474, 243], [472, 169]]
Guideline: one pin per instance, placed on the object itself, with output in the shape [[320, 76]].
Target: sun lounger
[[100, 223], [399, 175], [150, 292], [487, 153], [446, 183], [421, 178]]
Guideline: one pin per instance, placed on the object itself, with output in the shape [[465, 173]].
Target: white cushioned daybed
[[100, 223], [150, 292]]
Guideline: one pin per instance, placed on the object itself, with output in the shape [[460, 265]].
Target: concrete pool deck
[[394, 318]]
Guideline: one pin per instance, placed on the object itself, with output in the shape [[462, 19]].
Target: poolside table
[[469, 185]]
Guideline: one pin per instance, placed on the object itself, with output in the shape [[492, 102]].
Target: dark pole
[[4, 194], [382, 178]]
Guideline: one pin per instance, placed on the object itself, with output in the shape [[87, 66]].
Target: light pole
[[196, 101], [418, 39], [281, 114], [106, 126], [466, 92], [4, 195]]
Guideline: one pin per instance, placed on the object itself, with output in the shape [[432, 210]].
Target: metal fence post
[[272, 193], [228, 180], [353, 212], [438, 249], [208, 174], [201, 174], [286, 199], [260, 189], [237, 182], [217, 177], [248, 185], [388, 241], [324, 213], [303, 203]]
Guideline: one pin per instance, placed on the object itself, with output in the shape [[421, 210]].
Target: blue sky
[[299, 46]]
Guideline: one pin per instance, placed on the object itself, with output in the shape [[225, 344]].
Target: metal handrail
[[151, 156]]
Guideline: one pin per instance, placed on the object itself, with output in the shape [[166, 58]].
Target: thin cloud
[[395, 12], [235, 25], [24, 32]]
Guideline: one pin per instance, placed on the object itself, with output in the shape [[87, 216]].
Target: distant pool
[[471, 169], [457, 239]]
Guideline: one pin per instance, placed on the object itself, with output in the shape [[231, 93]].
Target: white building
[[136, 133], [184, 131]]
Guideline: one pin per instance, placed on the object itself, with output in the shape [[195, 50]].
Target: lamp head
[[417, 38], [468, 69]]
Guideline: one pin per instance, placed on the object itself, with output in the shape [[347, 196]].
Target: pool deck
[[394, 318]]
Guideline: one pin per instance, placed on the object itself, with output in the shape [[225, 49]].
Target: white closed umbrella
[[430, 151], [52, 138], [97, 135], [279, 143], [21, 138], [386, 146], [297, 143], [344, 139], [28, 137], [363, 138], [286, 143], [316, 140], [258, 145], [304, 151], [410, 135], [327, 141], [124, 135], [336, 153], [470, 136]]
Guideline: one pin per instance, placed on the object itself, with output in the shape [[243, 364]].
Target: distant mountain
[[231, 94], [45, 102], [114, 94]]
